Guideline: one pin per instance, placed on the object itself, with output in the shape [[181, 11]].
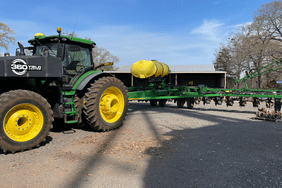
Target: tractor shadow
[[170, 105], [59, 126], [223, 155], [231, 153], [239, 111], [48, 139]]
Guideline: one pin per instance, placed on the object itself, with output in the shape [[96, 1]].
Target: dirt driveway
[[207, 146]]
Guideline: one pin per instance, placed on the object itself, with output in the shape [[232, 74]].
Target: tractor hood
[[30, 66]]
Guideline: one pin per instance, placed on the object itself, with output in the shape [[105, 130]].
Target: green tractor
[[58, 80]]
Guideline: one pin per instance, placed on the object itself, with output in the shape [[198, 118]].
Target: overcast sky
[[175, 32]]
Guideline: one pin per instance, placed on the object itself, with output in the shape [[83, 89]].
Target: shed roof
[[179, 68]]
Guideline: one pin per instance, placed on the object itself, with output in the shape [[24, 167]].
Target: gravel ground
[[206, 146]]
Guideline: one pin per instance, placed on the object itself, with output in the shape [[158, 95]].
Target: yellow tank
[[146, 69], [166, 69]]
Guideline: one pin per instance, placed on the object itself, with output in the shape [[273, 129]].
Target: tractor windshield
[[47, 50], [76, 59]]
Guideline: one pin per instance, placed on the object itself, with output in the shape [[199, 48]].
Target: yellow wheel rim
[[23, 122], [111, 104]]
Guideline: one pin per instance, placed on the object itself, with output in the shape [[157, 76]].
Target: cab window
[[47, 50], [76, 58]]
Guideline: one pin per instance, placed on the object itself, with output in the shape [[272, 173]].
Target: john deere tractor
[[57, 80]]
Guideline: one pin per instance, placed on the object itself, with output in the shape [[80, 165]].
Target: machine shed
[[181, 75]]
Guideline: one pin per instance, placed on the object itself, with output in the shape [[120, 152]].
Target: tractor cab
[[75, 58], [75, 53]]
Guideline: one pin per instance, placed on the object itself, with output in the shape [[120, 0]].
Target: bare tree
[[6, 36], [269, 19], [267, 36], [250, 48], [258, 44], [101, 55], [240, 62]]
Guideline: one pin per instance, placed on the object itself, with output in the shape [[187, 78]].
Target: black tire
[[153, 102], [162, 102], [93, 99], [180, 103], [190, 103], [18, 105], [78, 103]]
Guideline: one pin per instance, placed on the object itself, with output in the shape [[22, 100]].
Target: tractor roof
[[64, 39]]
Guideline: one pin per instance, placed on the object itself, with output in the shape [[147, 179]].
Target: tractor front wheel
[[26, 118], [106, 104]]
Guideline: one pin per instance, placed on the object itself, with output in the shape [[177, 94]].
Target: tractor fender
[[91, 77]]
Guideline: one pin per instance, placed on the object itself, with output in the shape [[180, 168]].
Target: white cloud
[[240, 25], [210, 29]]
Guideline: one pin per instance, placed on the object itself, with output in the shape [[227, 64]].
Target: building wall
[[212, 80]]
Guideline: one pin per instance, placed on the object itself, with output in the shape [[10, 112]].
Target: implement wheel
[[153, 102], [105, 104], [26, 118], [180, 103], [162, 102], [190, 103]]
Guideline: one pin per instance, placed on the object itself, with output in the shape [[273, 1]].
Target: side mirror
[[60, 51]]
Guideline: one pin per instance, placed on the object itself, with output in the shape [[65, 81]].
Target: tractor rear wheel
[[106, 104], [26, 118]]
